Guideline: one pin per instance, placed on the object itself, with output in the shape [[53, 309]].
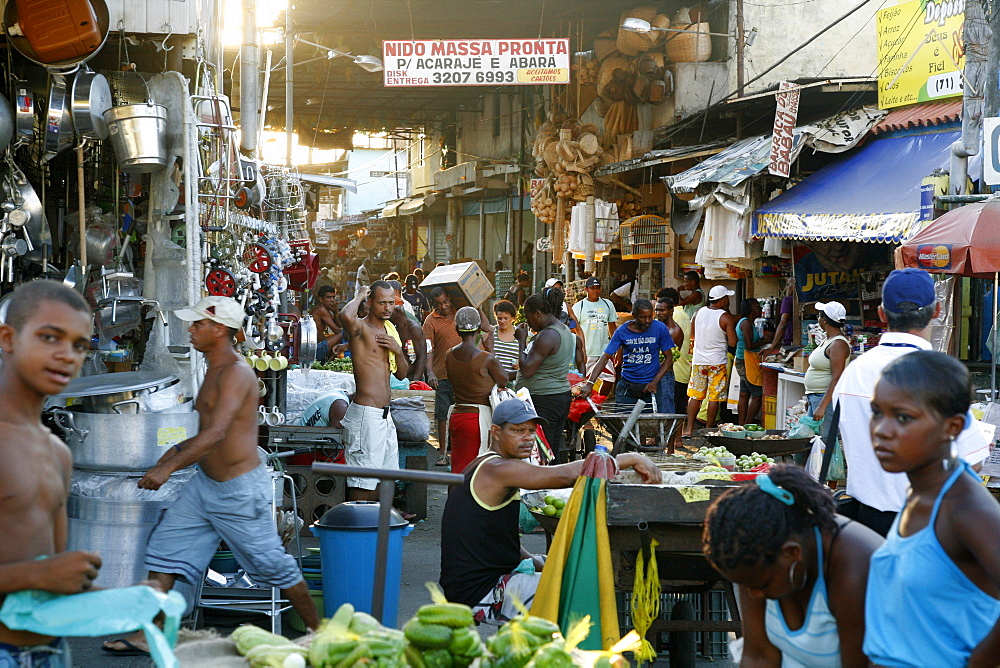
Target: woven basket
[[659, 21], [694, 45], [633, 43], [605, 76], [605, 45]]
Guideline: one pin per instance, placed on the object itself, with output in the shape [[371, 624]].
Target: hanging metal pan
[[58, 122], [11, 22], [91, 98]]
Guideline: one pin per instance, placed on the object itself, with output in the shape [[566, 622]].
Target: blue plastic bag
[[100, 613]]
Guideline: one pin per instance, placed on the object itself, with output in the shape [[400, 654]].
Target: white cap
[[223, 310], [552, 281], [718, 292], [834, 311]]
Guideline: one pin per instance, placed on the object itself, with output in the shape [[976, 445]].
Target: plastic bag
[[411, 420], [814, 464], [806, 427], [100, 613], [838, 467]]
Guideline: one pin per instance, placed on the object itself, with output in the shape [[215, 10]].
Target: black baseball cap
[[593, 282]]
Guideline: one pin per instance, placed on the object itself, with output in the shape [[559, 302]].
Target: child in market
[[933, 588], [800, 567], [45, 340]]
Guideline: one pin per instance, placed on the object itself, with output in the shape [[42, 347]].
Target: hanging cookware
[[101, 393], [28, 213], [91, 98], [6, 123], [58, 121], [138, 136], [24, 113], [307, 341], [58, 38]]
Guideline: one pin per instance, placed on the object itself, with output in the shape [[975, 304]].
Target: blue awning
[[870, 195]]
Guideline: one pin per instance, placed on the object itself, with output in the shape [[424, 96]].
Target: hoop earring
[[791, 576], [952, 454]]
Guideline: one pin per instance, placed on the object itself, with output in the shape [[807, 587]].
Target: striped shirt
[[505, 352], [817, 643]]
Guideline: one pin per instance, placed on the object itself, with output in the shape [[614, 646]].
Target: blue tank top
[[921, 609], [741, 343], [817, 643]]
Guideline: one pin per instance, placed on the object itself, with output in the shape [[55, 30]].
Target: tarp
[[870, 195], [749, 157]]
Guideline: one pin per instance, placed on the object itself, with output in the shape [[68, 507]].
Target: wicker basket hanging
[[694, 45], [633, 43]]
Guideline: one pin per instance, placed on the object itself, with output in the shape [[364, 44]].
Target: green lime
[[559, 503], [550, 500], [559, 512], [549, 510]]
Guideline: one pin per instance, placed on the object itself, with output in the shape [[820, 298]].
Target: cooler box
[[465, 283]]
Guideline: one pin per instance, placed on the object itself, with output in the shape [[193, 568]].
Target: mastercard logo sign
[[931, 256]]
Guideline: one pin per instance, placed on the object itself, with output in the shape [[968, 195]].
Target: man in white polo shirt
[[908, 305]]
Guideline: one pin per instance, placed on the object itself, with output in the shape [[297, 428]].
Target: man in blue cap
[[908, 305], [480, 547]]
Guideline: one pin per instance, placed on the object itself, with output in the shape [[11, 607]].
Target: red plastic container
[[59, 30]]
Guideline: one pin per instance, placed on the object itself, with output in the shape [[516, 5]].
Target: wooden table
[[674, 516]]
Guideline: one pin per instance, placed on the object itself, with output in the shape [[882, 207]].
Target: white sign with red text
[[475, 62], [785, 116]]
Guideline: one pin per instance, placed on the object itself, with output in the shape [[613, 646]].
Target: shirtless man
[[229, 498], [369, 432], [45, 341], [325, 315]]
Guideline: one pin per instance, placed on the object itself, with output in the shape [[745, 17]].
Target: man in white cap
[[229, 497], [713, 332]]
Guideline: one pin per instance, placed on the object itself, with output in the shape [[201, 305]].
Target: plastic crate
[[712, 644], [770, 412]]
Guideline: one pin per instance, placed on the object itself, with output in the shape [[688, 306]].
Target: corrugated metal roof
[[920, 115]]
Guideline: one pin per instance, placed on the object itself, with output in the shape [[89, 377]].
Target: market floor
[[421, 564]]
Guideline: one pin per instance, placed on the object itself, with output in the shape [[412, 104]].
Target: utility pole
[[992, 79]]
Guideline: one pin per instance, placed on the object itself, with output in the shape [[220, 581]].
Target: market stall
[[962, 242]]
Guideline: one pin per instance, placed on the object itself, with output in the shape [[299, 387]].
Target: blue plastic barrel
[[348, 536]]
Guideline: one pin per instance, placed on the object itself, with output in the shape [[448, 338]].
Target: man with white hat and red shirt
[[713, 332], [229, 497]]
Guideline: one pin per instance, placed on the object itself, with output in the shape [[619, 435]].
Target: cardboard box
[[466, 284], [801, 364]]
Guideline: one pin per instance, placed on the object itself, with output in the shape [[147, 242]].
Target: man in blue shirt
[[641, 341]]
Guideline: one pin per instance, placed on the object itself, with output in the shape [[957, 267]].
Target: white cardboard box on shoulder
[[465, 283]]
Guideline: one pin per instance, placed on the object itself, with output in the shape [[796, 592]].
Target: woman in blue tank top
[[934, 587], [800, 567]]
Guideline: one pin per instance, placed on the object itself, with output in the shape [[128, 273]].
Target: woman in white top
[[827, 361]]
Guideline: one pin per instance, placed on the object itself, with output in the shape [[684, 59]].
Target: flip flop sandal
[[130, 649]]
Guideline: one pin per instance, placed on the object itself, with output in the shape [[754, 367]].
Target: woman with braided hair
[[800, 567]]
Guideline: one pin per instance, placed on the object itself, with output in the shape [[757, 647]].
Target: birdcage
[[645, 236]]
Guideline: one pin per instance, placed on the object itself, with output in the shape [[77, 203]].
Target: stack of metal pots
[[118, 426]]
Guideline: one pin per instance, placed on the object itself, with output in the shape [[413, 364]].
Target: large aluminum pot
[[102, 442], [110, 515], [106, 392], [138, 136]]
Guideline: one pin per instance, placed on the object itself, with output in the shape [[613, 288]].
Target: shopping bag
[[806, 427], [814, 464]]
